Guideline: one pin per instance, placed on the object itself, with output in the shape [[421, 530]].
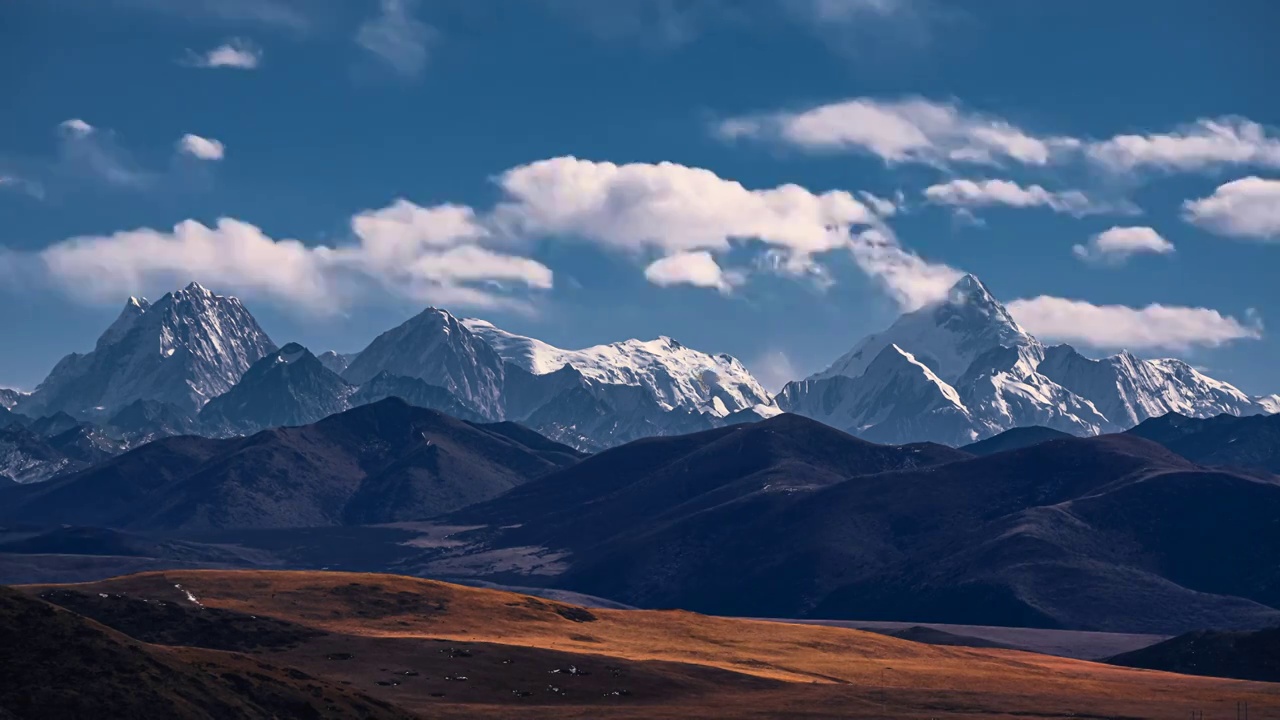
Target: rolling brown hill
[[58, 664], [411, 642]]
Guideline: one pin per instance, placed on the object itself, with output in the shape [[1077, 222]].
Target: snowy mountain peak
[[435, 347], [946, 336], [676, 376]]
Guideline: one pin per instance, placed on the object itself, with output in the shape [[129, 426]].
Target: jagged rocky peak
[[185, 348], [287, 387]]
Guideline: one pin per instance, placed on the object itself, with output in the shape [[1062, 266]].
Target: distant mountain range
[[784, 517], [955, 372], [789, 518], [383, 462]]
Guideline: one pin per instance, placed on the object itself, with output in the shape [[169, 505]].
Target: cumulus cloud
[[236, 54], [1205, 144], [687, 217], [1119, 326], [972, 194], [201, 147], [699, 269], [443, 265], [397, 38], [75, 127], [910, 130], [668, 208], [1245, 208], [1117, 244]]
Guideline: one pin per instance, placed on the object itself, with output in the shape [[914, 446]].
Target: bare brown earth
[[408, 642]]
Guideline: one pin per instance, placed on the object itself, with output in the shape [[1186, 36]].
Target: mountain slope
[[28, 457], [58, 664], [434, 347], [1247, 442], [377, 463], [289, 387], [1241, 655], [1015, 439], [896, 397], [1075, 533], [185, 349]]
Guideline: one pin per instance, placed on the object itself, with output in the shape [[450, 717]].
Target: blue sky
[[585, 172]]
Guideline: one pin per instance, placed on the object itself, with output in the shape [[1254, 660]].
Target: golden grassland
[[811, 671]]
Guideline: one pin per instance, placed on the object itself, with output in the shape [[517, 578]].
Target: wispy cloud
[[88, 152], [15, 183], [970, 194], [1206, 144], [396, 38], [293, 15], [1155, 326], [909, 130]]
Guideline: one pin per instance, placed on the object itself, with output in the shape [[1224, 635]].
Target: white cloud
[[1246, 208], [397, 38], [1118, 326], [698, 268], [1206, 144], [986, 193], [236, 54], [201, 147], [449, 266], [910, 280], [670, 209], [901, 131], [75, 127], [689, 217], [1117, 244]]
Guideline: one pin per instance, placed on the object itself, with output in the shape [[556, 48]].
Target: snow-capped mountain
[[674, 375], [435, 347], [962, 370], [185, 349], [1129, 390], [289, 387]]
